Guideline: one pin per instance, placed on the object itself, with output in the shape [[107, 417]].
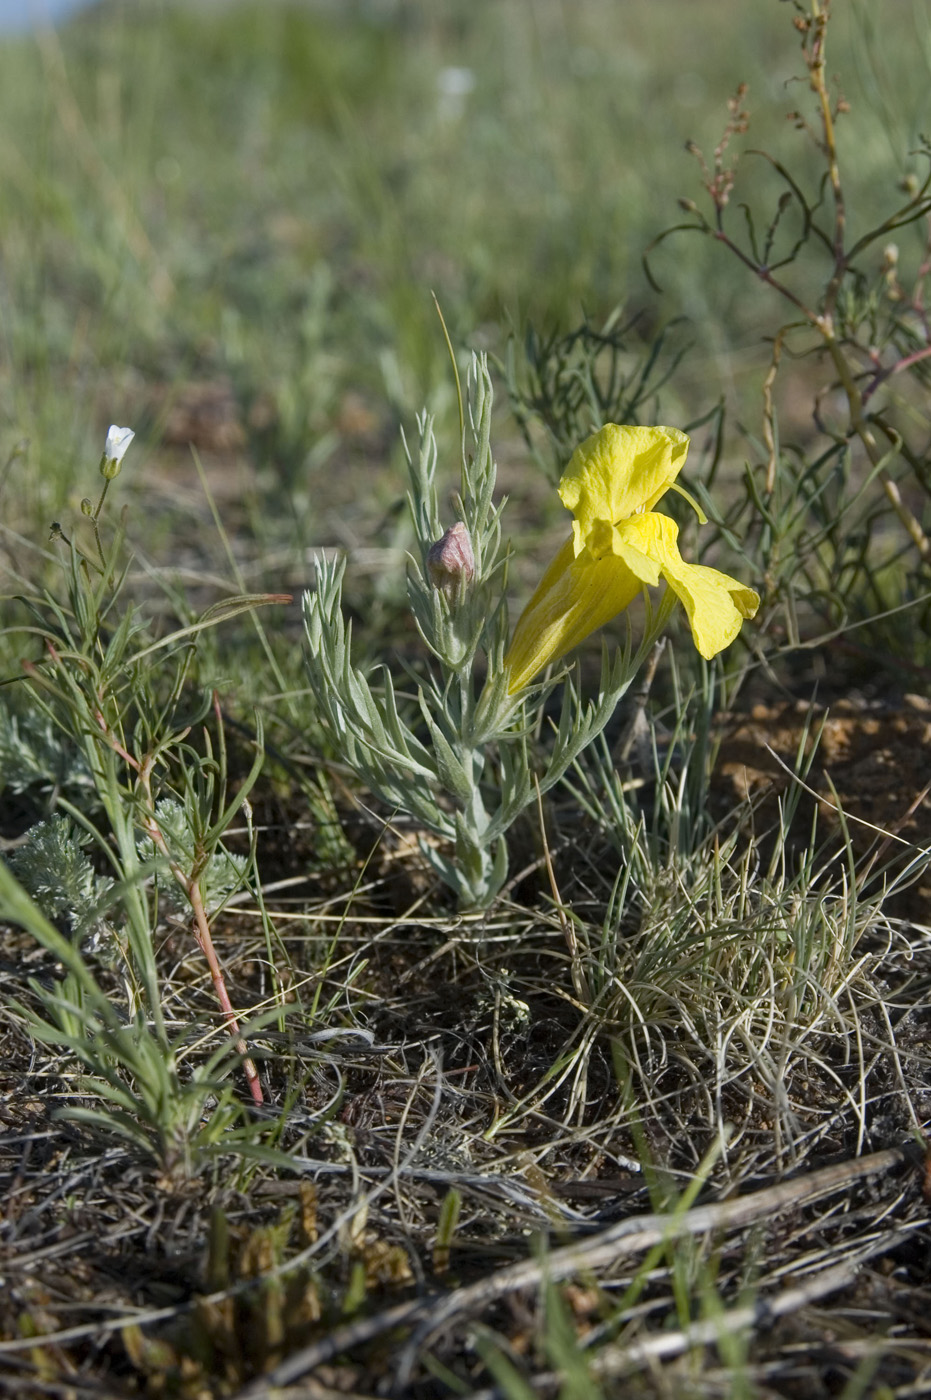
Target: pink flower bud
[[450, 562]]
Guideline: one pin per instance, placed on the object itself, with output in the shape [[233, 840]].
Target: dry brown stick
[[639, 1233], [617, 1360], [614, 1360], [626, 1237]]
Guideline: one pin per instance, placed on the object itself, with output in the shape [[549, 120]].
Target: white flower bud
[[118, 439]]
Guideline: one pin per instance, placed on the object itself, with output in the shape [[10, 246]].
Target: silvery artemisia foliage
[[221, 874], [36, 755], [459, 761], [52, 866]]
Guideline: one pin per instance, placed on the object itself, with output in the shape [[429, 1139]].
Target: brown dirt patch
[[870, 761]]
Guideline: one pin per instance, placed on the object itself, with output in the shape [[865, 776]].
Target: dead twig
[[626, 1237], [762, 1312]]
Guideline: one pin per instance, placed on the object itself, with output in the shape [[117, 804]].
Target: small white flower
[[118, 439], [453, 86]]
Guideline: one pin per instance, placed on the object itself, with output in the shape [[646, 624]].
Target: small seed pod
[[451, 563]]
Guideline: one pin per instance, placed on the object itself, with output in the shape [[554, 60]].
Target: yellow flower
[[618, 544]]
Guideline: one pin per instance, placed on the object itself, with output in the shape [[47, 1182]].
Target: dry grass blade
[[613, 1361], [762, 1312], [622, 1239]]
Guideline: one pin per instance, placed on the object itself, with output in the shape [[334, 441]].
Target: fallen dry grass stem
[[762, 1312], [626, 1237]]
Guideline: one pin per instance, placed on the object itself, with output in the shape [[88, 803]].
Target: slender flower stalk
[[618, 545]]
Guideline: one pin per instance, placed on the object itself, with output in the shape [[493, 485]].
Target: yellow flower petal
[[608, 539], [617, 472], [573, 599], [715, 603]]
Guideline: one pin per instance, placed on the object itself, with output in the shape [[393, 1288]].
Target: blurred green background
[[221, 223]]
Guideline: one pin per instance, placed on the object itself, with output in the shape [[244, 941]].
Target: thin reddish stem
[[205, 939]]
